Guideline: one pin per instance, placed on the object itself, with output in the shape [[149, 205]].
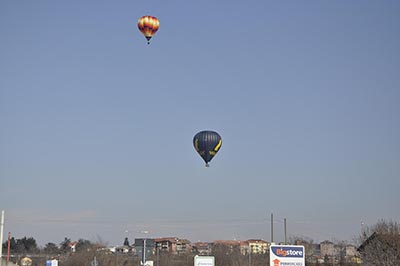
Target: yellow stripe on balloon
[[218, 145]]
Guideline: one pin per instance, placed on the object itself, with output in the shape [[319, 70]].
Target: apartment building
[[327, 248], [201, 248], [173, 245], [258, 246]]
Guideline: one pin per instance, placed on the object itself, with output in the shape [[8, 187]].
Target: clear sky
[[96, 126]]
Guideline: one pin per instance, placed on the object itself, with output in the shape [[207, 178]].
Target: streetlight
[[145, 232]]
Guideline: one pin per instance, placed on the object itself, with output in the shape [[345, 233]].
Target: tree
[[13, 244], [22, 245], [83, 245], [327, 261], [308, 244], [126, 242], [341, 249], [51, 248], [382, 247], [86, 252], [227, 254], [64, 245]]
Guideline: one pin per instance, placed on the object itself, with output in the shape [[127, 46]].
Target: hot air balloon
[[148, 25], [207, 144]]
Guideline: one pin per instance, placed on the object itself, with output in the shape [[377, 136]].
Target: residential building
[[140, 246], [72, 245], [327, 248], [351, 251], [122, 249], [244, 247], [183, 246], [166, 244], [173, 245], [258, 246], [201, 248]]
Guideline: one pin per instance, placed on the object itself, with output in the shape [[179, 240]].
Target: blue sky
[[97, 126]]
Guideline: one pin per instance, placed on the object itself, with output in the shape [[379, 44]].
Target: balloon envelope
[[148, 26], [207, 143]]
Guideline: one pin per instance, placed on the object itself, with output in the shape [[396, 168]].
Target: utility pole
[[272, 228], [144, 252], [8, 246], [284, 224], [144, 247], [1, 237]]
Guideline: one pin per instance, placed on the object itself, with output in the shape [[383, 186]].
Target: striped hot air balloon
[[148, 25], [207, 144]]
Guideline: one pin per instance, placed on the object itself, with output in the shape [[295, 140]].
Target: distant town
[[156, 249], [378, 245]]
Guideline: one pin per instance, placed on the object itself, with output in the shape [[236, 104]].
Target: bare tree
[[227, 255], [382, 247], [340, 246], [308, 243]]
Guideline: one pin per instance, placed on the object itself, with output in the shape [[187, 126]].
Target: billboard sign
[[148, 263], [51, 262], [283, 255], [204, 261]]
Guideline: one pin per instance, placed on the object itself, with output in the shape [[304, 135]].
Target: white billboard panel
[[204, 261], [148, 263], [283, 255]]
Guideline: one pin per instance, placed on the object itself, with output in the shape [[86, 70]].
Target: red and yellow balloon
[[148, 25]]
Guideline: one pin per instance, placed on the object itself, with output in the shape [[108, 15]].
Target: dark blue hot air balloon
[[207, 143]]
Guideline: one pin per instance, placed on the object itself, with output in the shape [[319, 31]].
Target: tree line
[[28, 245]]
